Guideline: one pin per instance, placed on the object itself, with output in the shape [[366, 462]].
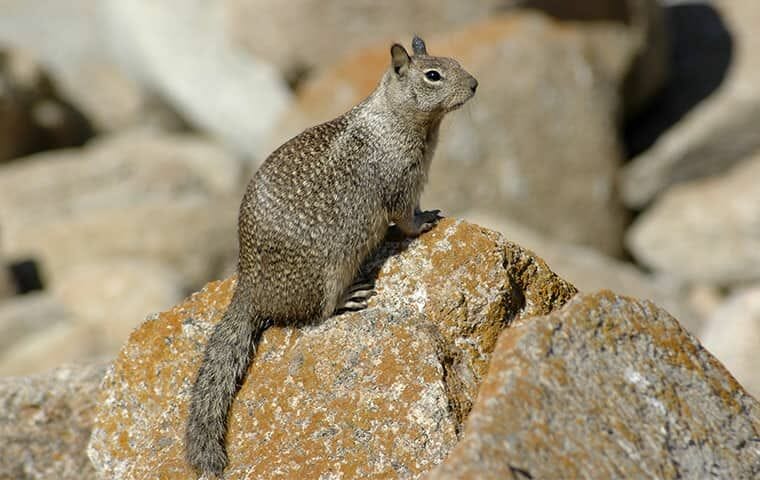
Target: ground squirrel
[[311, 215]]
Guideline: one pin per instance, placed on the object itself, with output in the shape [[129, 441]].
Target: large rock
[[706, 230], [182, 50], [538, 143], [25, 315], [295, 43], [372, 394], [70, 40], [87, 317], [45, 422], [733, 335], [168, 199], [33, 114], [606, 387], [650, 69], [719, 132]]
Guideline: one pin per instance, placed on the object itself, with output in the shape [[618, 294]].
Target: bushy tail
[[225, 361]]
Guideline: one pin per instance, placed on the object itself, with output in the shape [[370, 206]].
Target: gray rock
[[33, 114], [719, 132], [606, 387], [649, 70], [706, 230], [71, 40], [290, 38], [45, 422], [733, 335], [168, 199], [182, 50], [24, 315]]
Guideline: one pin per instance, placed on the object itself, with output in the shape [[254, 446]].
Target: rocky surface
[[24, 315], [167, 199], [650, 68], [536, 144], [706, 230], [258, 25], [182, 50], [74, 42], [34, 116], [732, 333], [718, 133], [606, 387], [377, 393], [45, 423], [87, 317]]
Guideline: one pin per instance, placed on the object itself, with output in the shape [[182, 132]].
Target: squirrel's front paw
[[426, 220]]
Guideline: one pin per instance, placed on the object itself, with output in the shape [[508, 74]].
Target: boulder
[[171, 200], [732, 333], [537, 144], [71, 40], [373, 394], [111, 296], [290, 38], [606, 387], [182, 50], [719, 132], [33, 114], [24, 315], [45, 422], [705, 230], [650, 68]]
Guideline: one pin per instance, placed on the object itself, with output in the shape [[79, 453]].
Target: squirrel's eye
[[432, 75]]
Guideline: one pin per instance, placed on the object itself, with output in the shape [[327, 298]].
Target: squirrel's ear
[[418, 46], [399, 59]]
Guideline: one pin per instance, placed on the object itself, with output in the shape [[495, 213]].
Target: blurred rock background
[[617, 139]]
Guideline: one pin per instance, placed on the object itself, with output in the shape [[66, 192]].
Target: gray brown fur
[[310, 216]]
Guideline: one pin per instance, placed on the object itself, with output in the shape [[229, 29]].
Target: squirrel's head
[[435, 85]]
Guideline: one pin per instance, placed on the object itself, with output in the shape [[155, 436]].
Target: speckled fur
[[310, 216]]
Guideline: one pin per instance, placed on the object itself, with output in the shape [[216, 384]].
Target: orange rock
[[373, 394]]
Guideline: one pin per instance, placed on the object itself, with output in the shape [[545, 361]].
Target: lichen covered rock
[[45, 423], [606, 387], [377, 393]]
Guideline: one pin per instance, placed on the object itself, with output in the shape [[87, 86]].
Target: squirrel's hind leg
[[356, 296]]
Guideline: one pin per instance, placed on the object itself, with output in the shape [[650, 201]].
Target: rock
[[504, 153], [259, 26], [733, 335], [71, 40], [700, 48], [171, 200], [650, 69], [7, 285], [606, 387], [718, 133], [182, 50], [706, 230], [33, 115], [377, 393], [45, 422], [590, 271], [111, 297], [25, 315]]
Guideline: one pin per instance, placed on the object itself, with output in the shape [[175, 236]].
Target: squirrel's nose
[[473, 84]]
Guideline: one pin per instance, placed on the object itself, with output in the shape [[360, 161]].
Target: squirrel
[[310, 216]]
